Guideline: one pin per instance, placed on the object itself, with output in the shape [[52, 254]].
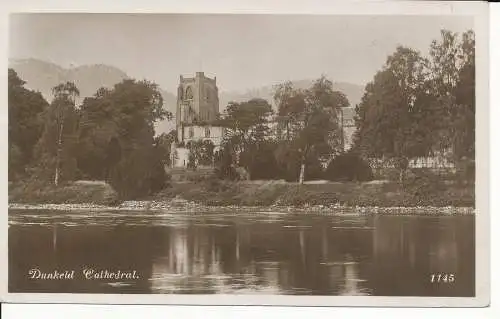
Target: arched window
[[207, 131], [191, 132], [189, 93]]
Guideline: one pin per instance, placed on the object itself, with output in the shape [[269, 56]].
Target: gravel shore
[[183, 206]]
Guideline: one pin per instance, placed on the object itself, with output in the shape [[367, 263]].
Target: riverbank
[[314, 193], [189, 208], [79, 192], [216, 193]]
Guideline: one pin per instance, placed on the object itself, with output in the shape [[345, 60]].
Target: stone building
[[345, 117], [197, 109]]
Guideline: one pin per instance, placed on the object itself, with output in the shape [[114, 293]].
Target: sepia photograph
[[246, 155]]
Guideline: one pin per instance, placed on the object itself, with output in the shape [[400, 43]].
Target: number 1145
[[437, 278]]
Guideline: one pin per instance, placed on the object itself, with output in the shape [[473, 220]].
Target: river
[[252, 252]]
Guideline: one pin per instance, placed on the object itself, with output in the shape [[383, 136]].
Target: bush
[[348, 167], [313, 170], [264, 166], [424, 185], [138, 174], [226, 172]]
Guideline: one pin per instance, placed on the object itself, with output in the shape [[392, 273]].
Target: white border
[[478, 9]]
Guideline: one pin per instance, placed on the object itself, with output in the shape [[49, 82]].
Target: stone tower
[[197, 101]]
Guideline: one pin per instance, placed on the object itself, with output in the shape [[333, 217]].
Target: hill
[[43, 76]]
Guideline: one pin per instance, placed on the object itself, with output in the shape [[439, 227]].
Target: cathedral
[[196, 111]]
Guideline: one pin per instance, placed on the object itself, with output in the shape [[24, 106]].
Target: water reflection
[[294, 254]]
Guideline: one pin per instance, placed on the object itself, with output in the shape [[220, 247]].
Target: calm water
[[251, 253]]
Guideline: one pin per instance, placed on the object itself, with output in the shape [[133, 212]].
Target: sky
[[243, 51]]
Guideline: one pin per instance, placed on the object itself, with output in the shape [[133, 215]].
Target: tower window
[[189, 93], [191, 132], [207, 131]]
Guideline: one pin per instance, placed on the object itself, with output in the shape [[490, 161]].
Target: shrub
[[226, 172], [264, 166], [348, 167], [424, 185], [313, 169], [138, 174]]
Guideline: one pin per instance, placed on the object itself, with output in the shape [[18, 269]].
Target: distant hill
[[43, 76]]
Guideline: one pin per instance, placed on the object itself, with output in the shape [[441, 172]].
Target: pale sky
[[243, 51]]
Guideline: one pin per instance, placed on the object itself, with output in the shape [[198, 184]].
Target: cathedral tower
[[197, 101], [197, 109]]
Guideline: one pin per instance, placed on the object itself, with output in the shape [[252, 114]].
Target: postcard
[[334, 157]]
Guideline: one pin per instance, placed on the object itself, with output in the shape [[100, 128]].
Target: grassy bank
[[382, 194], [98, 193], [258, 193]]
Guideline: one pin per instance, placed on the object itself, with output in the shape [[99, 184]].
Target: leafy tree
[[164, 143], [311, 123], [289, 160], [99, 143], [16, 161], [387, 114], [290, 102], [201, 152], [25, 123], [247, 129], [116, 138], [138, 104], [349, 167], [261, 161], [224, 163], [420, 107], [207, 153], [56, 149], [453, 84], [116, 121], [138, 174]]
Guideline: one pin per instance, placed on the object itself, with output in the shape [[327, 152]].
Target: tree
[[127, 113], [247, 129], [311, 121], [164, 143], [348, 167], [224, 168], [261, 161], [56, 149], [64, 102], [200, 153], [139, 173], [114, 122], [386, 125], [420, 107], [207, 154], [453, 83], [25, 123], [100, 146]]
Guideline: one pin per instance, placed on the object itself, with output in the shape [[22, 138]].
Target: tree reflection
[[380, 255]]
